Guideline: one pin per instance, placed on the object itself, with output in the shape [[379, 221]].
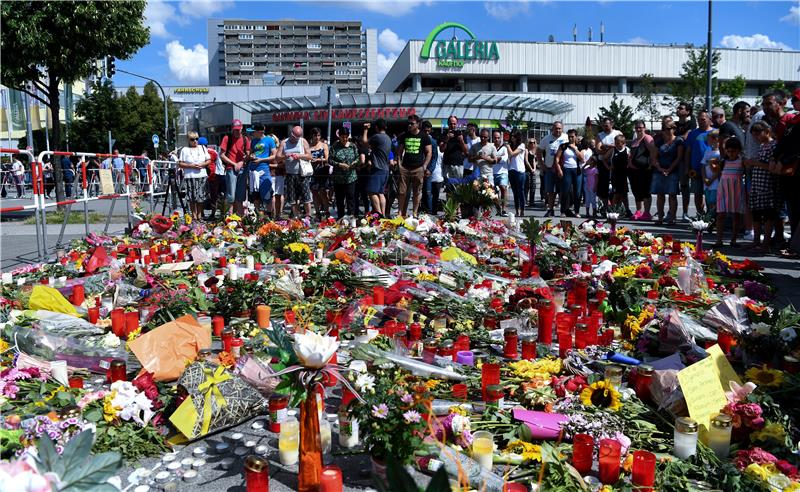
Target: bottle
[[348, 426], [685, 437], [289, 441], [719, 435], [613, 374]]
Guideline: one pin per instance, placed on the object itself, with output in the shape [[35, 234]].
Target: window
[[313, 46], [326, 28], [233, 82], [245, 36], [260, 28], [246, 64]]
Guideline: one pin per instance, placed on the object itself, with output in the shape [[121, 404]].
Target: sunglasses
[[193, 139]]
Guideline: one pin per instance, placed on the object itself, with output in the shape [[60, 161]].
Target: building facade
[[584, 74], [287, 52]]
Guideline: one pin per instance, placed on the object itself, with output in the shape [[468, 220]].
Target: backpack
[[787, 150], [224, 150]]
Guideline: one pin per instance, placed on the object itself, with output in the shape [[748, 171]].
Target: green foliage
[[692, 83], [620, 113], [77, 469], [450, 209], [515, 119], [402, 481], [648, 104]]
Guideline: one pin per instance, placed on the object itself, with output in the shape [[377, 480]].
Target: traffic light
[[110, 68]]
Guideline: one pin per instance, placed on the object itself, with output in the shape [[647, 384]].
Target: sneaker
[[685, 218], [549, 213], [646, 216], [749, 236], [503, 214], [569, 213]]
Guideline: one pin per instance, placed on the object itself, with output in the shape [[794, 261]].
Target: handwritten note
[[106, 181], [702, 390], [724, 369]]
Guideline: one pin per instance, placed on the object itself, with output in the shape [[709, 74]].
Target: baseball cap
[[202, 141], [236, 125]]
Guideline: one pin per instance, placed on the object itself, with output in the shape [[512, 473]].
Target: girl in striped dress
[[730, 191]]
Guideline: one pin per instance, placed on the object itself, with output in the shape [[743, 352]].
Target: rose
[[314, 350]]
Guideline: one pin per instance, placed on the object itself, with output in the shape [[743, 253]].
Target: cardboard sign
[[725, 371], [703, 391], [106, 182]]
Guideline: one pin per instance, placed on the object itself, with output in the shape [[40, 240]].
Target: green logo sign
[[455, 52]]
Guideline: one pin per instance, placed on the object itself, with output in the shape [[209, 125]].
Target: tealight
[[143, 473], [198, 463], [257, 425], [222, 448], [250, 444], [187, 462], [190, 476], [241, 451], [262, 450], [199, 452], [169, 457], [174, 466], [236, 437], [163, 476], [142, 488], [226, 463]]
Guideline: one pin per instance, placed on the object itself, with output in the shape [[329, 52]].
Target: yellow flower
[[528, 451], [763, 376], [431, 384], [537, 369], [188, 219], [646, 251], [422, 277], [109, 410], [601, 394], [458, 409], [633, 325], [3, 345], [625, 272], [299, 248], [719, 256], [757, 471], [771, 432]]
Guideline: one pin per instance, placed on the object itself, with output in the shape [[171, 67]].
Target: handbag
[[306, 169]]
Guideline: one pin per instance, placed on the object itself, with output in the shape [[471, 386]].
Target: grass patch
[[75, 217]]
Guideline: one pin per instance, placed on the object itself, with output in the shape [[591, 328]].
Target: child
[[710, 163], [590, 187], [730, 191], [619, 155]]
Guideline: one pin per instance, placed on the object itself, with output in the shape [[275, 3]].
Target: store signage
[[358, 114], [454, 53], [190, 90]]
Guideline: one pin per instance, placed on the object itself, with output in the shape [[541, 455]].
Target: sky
[[177, 53]]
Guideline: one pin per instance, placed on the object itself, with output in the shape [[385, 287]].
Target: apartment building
[[289, 52]]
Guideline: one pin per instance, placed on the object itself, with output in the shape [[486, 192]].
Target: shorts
[[550, 180], [278, 184], [501, 179], [264, 192], [413, 177], [235, 185], [321, 180], [196, 189], [695, 185], [297, 188], [376, 181]]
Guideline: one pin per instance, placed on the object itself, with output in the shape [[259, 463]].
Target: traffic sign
[[155, 140]]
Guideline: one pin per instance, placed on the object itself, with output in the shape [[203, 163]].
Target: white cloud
[[384, 64], [203, 8], [188, 65], [793, 17], [506, 10], [396, 8], [157, 15], [388, 41], [639, 40], [755, 41]]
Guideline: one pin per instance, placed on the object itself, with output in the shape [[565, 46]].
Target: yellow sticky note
[[185, 417], [724, 369], [702, 390]]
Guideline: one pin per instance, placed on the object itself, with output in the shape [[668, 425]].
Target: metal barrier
[[37, 192]]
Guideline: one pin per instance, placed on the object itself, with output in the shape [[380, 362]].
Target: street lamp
[[164, 95]]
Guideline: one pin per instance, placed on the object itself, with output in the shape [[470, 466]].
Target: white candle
[[145, 252], [325, 435], [684, 280], [289, 442], [250, 262], [233, 271], [51, 282], [21, 281], [249, 241], [348, 431], [483, 449], [174, 247]]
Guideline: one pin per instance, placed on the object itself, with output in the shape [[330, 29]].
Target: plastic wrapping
[[730, 314], [165, 350], [258, 375], [458, 464], [366, 351], [49, 299]]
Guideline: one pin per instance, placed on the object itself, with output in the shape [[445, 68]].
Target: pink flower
[[380, 411], [756, 455], [412, 416]]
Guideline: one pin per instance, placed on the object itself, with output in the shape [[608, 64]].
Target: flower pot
[[378, 469]]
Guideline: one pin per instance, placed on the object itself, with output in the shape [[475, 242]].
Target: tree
[[45, 44], [648, 102], [96, 113], [620, 113], [515, 119], [692, 82]]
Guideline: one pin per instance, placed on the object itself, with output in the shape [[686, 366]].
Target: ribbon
[[211, 389], [309, 377]]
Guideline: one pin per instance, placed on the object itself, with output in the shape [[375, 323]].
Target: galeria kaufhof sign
[[454, 53]]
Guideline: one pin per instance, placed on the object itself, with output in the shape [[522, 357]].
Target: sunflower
[[602, 395], [764, 376], [528, 451]]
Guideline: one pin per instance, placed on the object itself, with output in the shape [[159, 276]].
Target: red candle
[[564, 344], [118, 370], [378, 295], [256, 471], [78, 295], [462, 343], [131, 322], [528, 348], [652, 294], [609, 461], [608, 337], [227, 340], [643, 473], [511, 341], [118, 321], [331, 479], [515, 487], [223, 261], [94, 314], [582, 335], [546, 314], [490, 375], [582, 449], [460, 391], [75, 382], [218, 324], [565, 322], [277, 410], [415, 332], [181, 255], [725, 340]]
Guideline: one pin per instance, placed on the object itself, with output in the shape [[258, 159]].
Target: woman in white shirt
[[517, 156], [500, 170], [194, 160]]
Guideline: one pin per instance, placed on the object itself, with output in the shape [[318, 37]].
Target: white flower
[[110, 340], [134, 405], [460, 424], [145, 228], [612, 215], [761, 328], [314, 350], [788, 334], [699, 225], [365, 382]]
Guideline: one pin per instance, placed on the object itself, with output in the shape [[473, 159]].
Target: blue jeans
[[235, 185], [517, 181], [570, 194]]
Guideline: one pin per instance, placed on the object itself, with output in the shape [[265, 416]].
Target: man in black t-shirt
[[414, 153], [455, 150]]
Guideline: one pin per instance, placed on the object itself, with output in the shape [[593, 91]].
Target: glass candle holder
[[78, 295], [685, 437], [643, 473], [118, 322], [483, 448], [719, 435], [93, 313], [613, 374], [641, 385], [547, 313], [217, 325], [582, 451], [256, 470], [609, 456], [528, 347], [378, 295], [131, 322], [564, 344], [227, 340], [725, 341], [118, 371], [460, 392], [289, 442], [511, 341], [75, 382], [331, 479], [582, 335], [490, 374]]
